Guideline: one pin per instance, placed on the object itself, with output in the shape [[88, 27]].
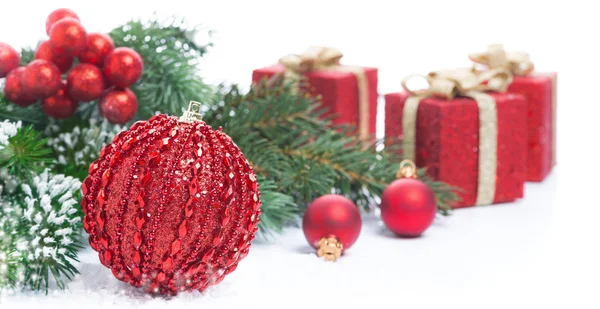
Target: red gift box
[[447, 141], [540, 92], [339, 93]]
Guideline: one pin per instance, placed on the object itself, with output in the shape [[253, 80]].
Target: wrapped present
[[348, 93], [540, 91], [466, 131]]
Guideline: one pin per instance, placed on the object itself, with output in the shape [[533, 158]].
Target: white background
[[542, 250]]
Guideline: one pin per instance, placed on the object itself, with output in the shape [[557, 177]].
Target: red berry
[[118, 106], [57, 15], [98, 47], [68, 37], [123, 67], [13, 88], [45, 52], [60, 105], [41, 78], [85, 82], [9, 59]]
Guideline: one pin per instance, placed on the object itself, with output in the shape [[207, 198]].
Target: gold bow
[[328, 59], [467, 83], [517, 63], [314, 58]]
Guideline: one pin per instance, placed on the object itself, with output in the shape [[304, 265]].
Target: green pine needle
[[277, 210], [25, 153], [27, 55], [30, 115]]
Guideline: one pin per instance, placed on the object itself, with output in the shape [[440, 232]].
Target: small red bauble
[[68, 37], [13, 88], [331, 224], [118, 106], [123, 67], [9, 59], [45, 52], [60, 105], [98, 47], [85, 82], [57, 15], [41, 78], [408, 206], [171, 205]]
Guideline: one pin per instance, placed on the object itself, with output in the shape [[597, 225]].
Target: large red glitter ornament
[[98, 47], [171, 205], [85, 82], [123, 67], [13, 88], [331, 224], [60, 105], [45, 52], [408, 205], [41, 78], [118, 106], [9, 59], [57, 15], [68, 37]]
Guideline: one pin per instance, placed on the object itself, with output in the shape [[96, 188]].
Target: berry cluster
[[102, 72]]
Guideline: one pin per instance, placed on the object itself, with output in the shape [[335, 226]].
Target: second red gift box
[[466, 131], [540, 91], [349, 93]]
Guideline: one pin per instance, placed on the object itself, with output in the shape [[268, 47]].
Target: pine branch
[[9, 220], [290, 143], [26, 152], [30, 115], [278, 209], [77, 145], [27, 55], [171, 64], [49, 238]]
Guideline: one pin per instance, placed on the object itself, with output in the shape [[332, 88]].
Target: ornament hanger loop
[[407, 169], [193, 112]]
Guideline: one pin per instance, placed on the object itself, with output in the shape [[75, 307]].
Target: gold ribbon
[[463, 82], [517, 63], [328, 59]]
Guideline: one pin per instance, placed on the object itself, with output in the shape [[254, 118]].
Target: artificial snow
[[476, 253], [8, 129]]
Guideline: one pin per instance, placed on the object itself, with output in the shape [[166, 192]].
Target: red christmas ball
[[123, 67], [60, 105], [118, 106], [332, 215], [98, 47], [57, 15], [85, 82], [171, 205], [408, 207], [9, 59], [68, 37], [13, 88], [45, 52], [41, 78]]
